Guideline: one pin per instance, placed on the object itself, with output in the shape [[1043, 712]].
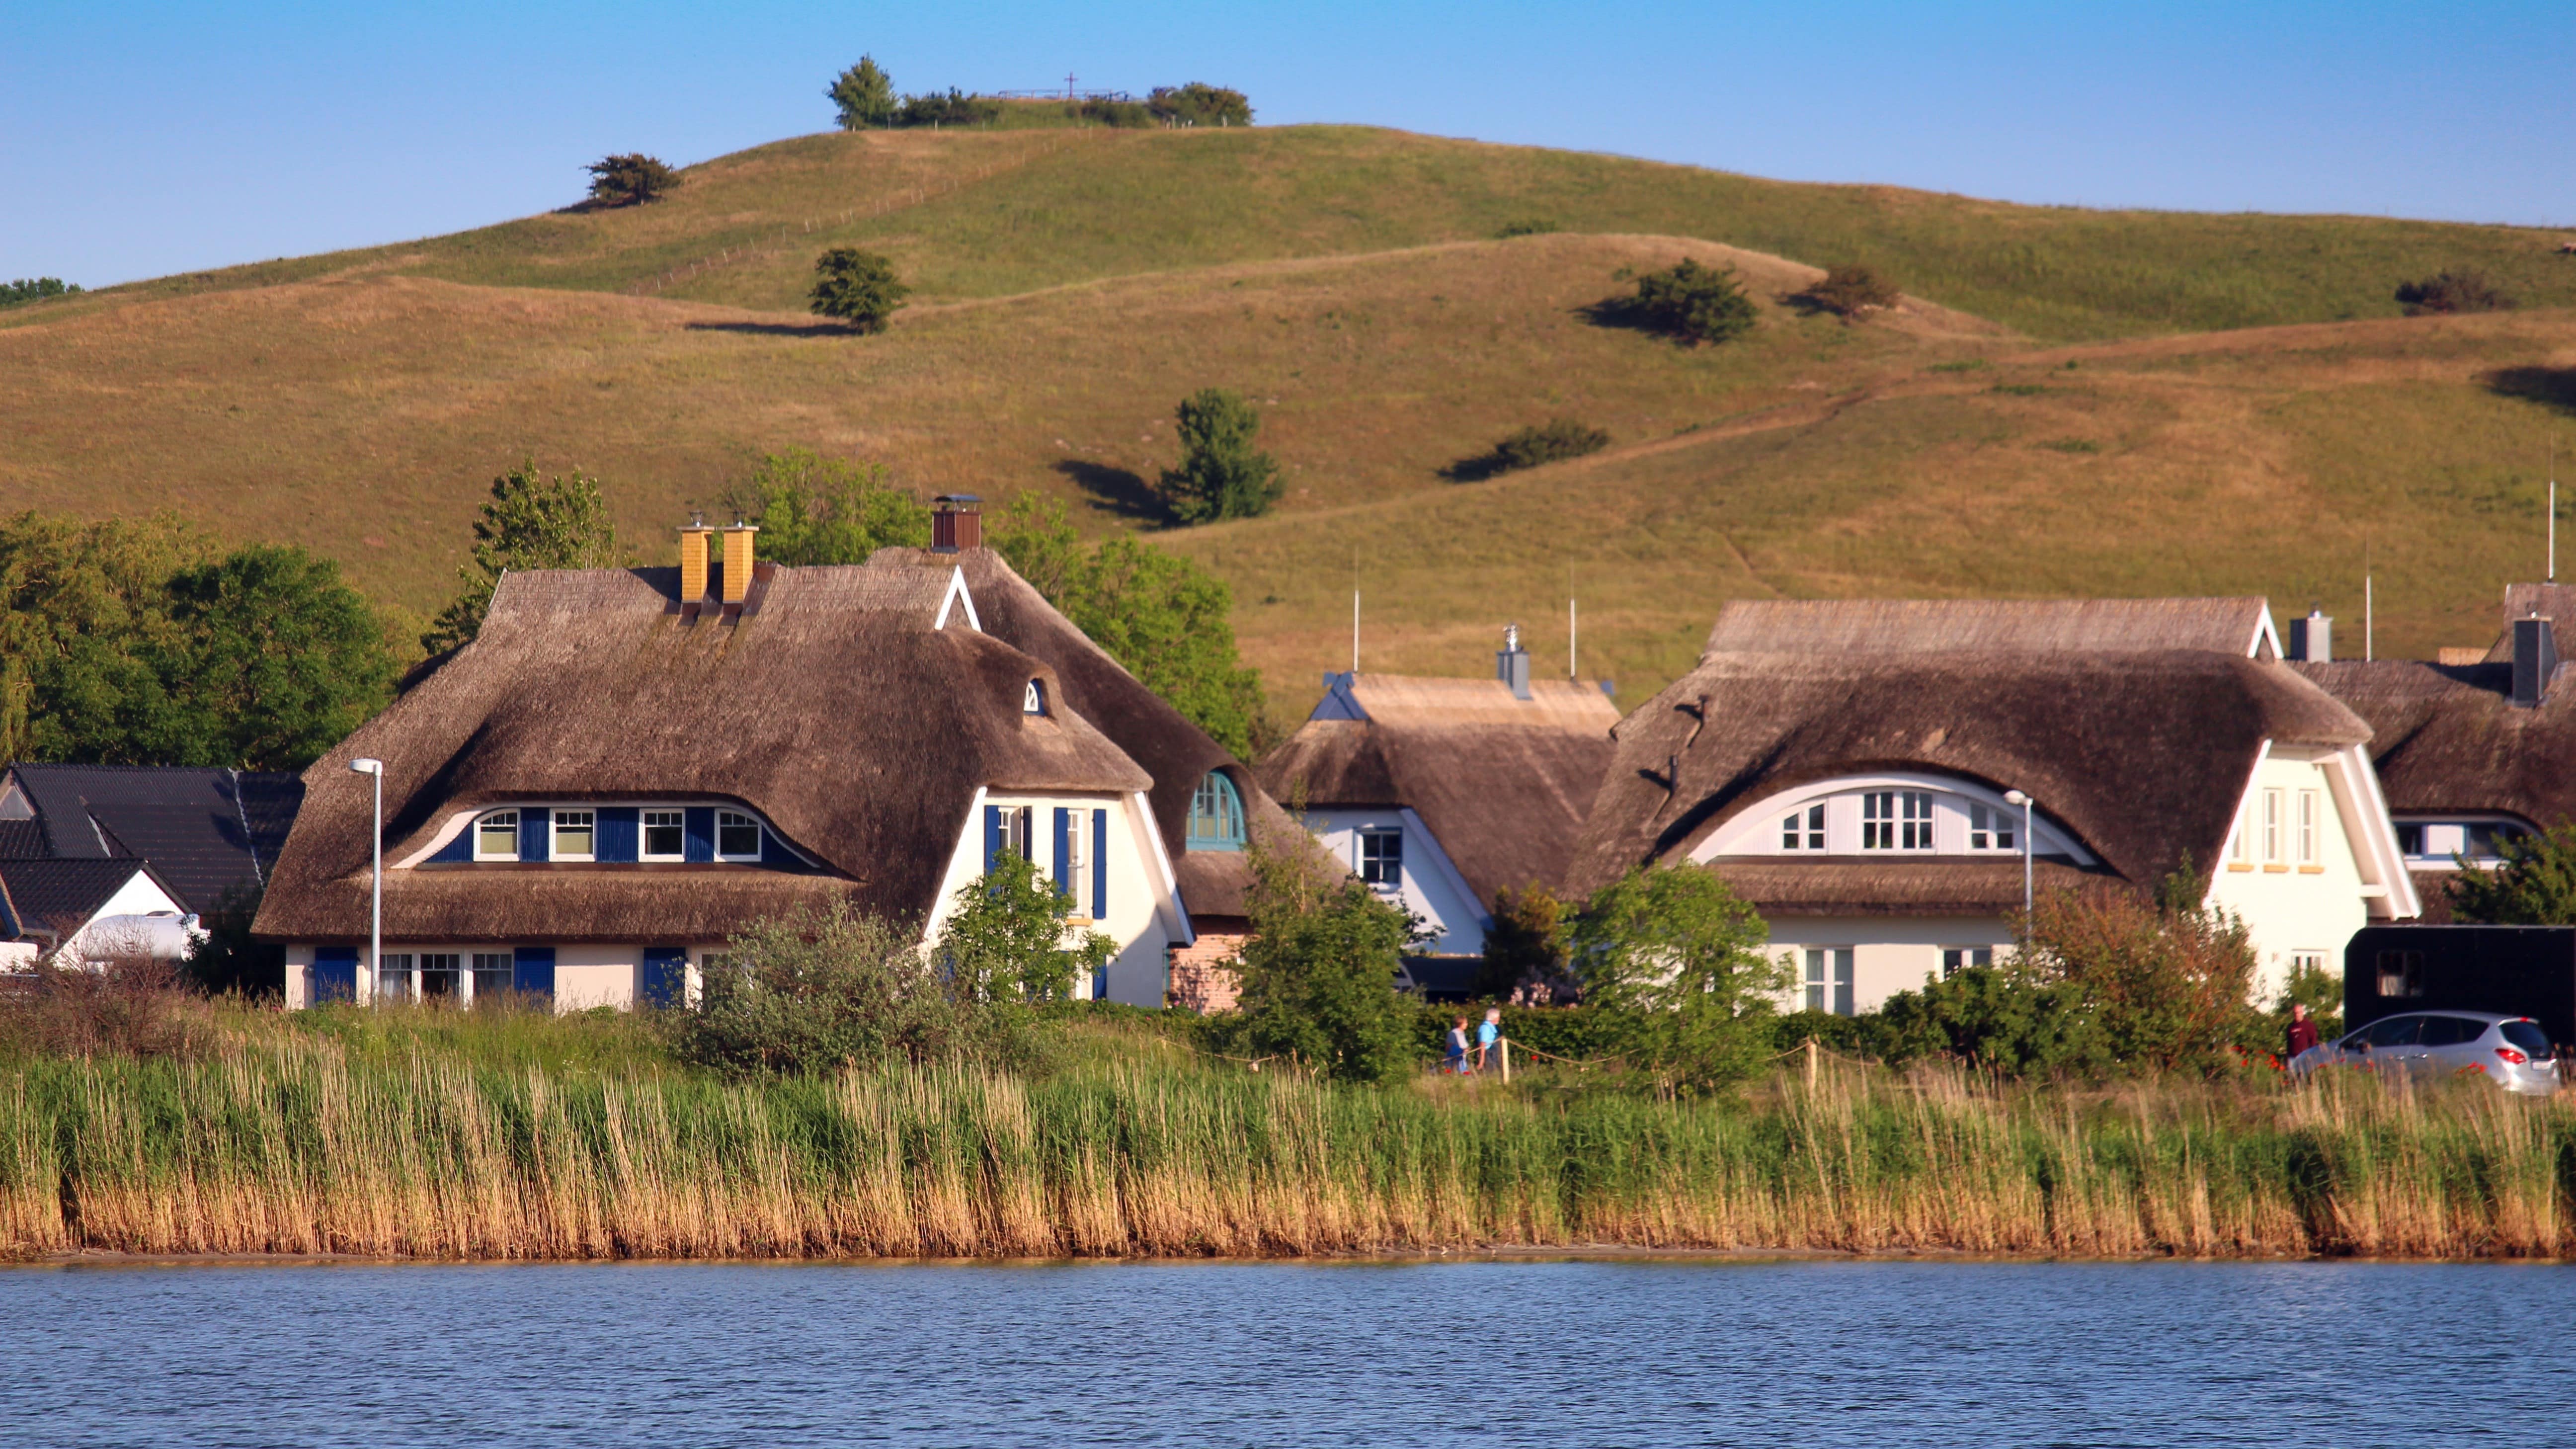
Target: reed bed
[[304, 1145]]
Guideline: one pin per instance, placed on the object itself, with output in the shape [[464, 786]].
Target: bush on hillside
[[1199, 104], [2533, 885], [1527, 226], [953, 109], [2464, 290], [530, 522], [35, 289], [1166, 619], [859, 288], [629, 180], [1690, 302], [817, 510], [1849, 291], [863, 95], [1675, 958], [1553, 441], [1222, 475]]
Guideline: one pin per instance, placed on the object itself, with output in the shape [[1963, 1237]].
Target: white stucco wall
[[2291, 907], [1889, 953], [1432, 888], [1144, 918]]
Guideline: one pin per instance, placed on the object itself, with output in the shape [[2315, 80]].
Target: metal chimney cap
[[957, 498]]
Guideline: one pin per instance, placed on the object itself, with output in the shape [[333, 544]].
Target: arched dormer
[[1216, 814], [1887, 816]]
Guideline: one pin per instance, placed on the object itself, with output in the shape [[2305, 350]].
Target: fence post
[[1506, 1044], [1811, 1063]]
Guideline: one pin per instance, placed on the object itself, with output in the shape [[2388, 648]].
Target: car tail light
[[2509, 1054]]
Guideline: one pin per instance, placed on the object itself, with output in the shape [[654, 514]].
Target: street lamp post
[[2016, 797], [376, 917]]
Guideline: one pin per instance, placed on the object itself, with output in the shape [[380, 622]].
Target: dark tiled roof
[[61, 895], [204, 830]]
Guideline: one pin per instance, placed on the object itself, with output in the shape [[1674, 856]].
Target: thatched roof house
[[614, 772], [1854, 785], [1445, 791]]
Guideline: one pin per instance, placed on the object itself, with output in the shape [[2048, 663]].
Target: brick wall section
[[1203, 974]]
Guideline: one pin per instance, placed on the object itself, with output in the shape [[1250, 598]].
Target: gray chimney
[[2535, 658], [1511, 666], [2312, 638]]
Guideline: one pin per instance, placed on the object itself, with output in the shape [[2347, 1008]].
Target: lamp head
[[2015, 797], [367, 767]]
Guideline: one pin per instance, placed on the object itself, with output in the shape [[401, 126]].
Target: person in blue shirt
[[1486, 1035]]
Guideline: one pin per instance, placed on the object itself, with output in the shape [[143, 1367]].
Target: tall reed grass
[[296, 1143]]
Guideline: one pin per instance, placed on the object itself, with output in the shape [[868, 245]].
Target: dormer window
[[576, 832], [1216, 814], [1992, 827], [1033, 698], [665, 835], [737, 836], [496, 836]]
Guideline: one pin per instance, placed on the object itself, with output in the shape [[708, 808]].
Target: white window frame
[[739, 817], [555, 834], [644, 828], [1807, 824], [1830, 980], [1360, 856], [1033, 698], [1955, 959], [401, 969], [1074, 872], [1903, 825], [2309, 828], [487, 819], [1993, 827], [2272, 825], [1759, 828]]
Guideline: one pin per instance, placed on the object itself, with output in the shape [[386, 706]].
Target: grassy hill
[[2068, 403]]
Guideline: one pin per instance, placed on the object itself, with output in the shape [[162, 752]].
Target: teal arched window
[[1216, 814]]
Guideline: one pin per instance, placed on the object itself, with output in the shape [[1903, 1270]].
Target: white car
[[2511, 1051]]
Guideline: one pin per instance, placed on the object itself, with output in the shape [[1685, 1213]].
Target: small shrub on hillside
[[1222, 475], [35, 289], [1527, 226], [1693, 303], [1553, 441], [2464, 290], [953, 109], [2534, 885], [1675, 957], [1849, 291], [1199, 104], [863, 95], [629, 180], [1319, 973], [859, 288]]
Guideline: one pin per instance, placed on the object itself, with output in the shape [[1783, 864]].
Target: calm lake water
[[1555, 1354]]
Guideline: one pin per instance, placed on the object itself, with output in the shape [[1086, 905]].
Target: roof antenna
[[2368, 619], [2553, 510], [1355, 611]]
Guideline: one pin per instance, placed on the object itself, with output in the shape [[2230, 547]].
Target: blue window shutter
[[335, 974], [992, 837], [461, 848], [666, 975], [532, 970], [616, 838], [698, 831], [534, 838], [1063, 853], [1100, 865]]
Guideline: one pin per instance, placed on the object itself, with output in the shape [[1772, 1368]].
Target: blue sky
[[143, 139]]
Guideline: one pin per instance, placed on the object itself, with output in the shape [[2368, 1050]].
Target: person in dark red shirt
[[2303, 1032]]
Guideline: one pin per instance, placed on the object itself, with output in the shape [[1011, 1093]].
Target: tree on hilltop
[[530, 522], [629, 180], [864, 95], [817, 510], [1199, 104], [35, 289], [1221, 474], [859, 288]]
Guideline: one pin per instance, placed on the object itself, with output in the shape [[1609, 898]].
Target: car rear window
[[2450, 1031], [2527, 1035]]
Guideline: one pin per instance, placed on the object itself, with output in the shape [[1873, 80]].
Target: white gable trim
[[2372, 831], [957, 592], [1448, 869], [1183, 932], [2264, 634]]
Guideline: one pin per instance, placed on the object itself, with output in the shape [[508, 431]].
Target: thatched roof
[[1835, 627], [835, 710], [1155, 735], [2139, 756], [2448, 737], [1504, 783]]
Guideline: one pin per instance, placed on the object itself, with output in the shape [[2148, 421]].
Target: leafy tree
[[530, 522], [1200, 104], [2534, 884], [857, 287], [1526, 942], [135, 643], [1221, 474], [1676, 956], [1998, 1018], [629, 180], [35, 289], [275, 660], [817, 510], [2464, 290], [1847, 291], [1165, 618], [1319, 971], [820, 991], [863, 95], [1694, 303], [1004, 942]]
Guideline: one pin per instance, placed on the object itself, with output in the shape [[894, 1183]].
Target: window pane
[[491, 973], [2410, 839], [1843, 982], [1815, 980], [1789, 833], [739, 835], [1382, 857], [438, 974], [1216, 814], [1815, 827], [663, 833], [2450, 1031], [2526, 1035], [497, 837], [573, 833]]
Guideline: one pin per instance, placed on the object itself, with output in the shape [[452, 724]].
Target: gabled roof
[[1504, 783], [58, 897], [204, 830], [1835, 627], [2554, 602], [2448, 737], [2142, 756], [836, 710]]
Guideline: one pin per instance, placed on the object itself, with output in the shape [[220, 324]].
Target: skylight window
[[1033, 699]]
